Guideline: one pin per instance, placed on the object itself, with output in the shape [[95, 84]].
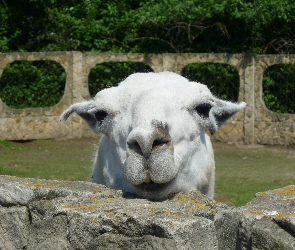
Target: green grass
[[48, 159], [241, 171]]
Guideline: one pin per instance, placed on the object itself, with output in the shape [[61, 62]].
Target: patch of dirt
[[24, 143], [223, 199]]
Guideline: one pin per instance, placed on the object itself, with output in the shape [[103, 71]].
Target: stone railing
[[255, 125], [39, 214]]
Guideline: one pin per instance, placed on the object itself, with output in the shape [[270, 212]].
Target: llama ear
[[89, 112], [221, 112]]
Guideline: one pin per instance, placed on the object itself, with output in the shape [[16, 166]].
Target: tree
[[215, 26], [231, 26]]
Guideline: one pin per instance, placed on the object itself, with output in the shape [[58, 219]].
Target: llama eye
[[100, 115], [203, 109]]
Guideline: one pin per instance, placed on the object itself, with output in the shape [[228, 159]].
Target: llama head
[[154, 126]]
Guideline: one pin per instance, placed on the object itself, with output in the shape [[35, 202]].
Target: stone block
[[40, 214], [14, 227]]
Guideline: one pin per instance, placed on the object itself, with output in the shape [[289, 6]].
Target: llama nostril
[[143, 142], [134, 146], [158, 143]]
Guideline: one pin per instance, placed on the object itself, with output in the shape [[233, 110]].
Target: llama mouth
[[147, 189]]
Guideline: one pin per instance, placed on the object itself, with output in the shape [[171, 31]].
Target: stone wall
[[39, 214], [256, 125]]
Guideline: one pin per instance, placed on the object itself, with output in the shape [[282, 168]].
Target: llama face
[[154, 142]]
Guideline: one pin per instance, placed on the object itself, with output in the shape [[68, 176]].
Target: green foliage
[[26, 84], [221, 79], [3, 29], [169, 26], [215, 26], [111, 74], [68, 25], [149, 26], [279, 88]]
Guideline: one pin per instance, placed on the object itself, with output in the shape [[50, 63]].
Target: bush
[[279, 88], [27, 84], [222, 79], [110, 74]]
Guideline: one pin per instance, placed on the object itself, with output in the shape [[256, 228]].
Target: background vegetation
[[110, 74], [146, 26], [32, 84]]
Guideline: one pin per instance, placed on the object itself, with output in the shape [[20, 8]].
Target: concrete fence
[[256, 125]]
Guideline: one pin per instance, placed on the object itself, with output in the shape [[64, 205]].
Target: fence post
[[76, 70], [249, 97]]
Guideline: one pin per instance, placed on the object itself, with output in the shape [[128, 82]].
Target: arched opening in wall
[[279, 88], [110, 74], [222, 79], [32, 84]]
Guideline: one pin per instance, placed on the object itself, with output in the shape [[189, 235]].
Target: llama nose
[[145, 141]]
